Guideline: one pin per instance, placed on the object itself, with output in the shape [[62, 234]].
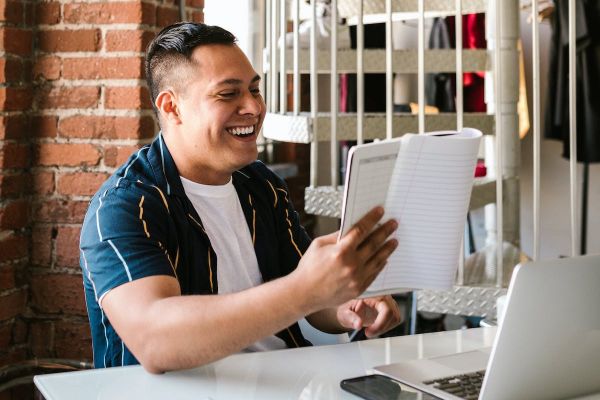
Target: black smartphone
[[373, 387]]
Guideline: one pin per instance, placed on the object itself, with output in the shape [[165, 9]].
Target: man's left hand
[[376, 314]]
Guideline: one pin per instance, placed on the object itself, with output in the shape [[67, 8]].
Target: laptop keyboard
[[466, 386]]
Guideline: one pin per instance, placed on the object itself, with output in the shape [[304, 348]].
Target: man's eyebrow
[[233, 81]]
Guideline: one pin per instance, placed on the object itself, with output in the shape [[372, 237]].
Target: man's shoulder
[[129, 183]]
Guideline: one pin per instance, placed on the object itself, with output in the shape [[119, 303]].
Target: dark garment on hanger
[[587, 79], [439, 88], [374, 38]]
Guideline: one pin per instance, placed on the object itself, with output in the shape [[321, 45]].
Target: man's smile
[[241, 131]]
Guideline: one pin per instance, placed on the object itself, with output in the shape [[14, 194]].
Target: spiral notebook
[[424, 182]]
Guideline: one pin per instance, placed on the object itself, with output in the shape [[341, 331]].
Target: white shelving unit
[[480, 281]]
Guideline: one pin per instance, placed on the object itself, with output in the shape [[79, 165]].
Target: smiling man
[[192, 251]]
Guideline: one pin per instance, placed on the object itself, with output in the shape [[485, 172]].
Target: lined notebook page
[[368, 179], [429, 194]]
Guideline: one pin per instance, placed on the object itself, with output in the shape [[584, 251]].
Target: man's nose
[[252, 104]]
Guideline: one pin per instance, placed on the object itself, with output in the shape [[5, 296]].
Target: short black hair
[[174, 45]]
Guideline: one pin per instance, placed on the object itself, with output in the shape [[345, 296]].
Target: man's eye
[[227, 94], [255, 91]]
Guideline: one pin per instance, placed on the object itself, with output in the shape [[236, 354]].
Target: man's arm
[[166, 331]]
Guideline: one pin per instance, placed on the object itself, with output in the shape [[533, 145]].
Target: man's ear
[[166, 104]]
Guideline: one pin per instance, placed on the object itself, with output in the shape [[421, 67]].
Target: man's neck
[[193, 169]]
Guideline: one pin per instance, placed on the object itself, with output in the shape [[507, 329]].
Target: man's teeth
[[242, 130]]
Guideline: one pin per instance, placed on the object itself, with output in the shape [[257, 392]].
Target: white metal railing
[[535, 35], [296, 75], [458, 34], [499, 143], [334, 98], [503, 41], [314, 95], [573, 127], [360, 76]]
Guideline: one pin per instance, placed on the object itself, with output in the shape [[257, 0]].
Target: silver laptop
[[547, 347]]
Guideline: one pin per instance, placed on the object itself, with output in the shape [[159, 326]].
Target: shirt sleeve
[[124, 237]]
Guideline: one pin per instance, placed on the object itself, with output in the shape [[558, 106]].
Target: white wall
[[237, 16]]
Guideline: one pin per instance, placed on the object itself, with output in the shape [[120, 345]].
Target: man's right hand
[[332, 272]]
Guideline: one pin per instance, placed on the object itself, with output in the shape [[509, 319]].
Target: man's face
[[221, 111]]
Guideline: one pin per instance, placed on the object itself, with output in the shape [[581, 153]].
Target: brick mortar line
[[98, 112], [79, 198], [74, 26], [5, 234], [18, 84], [67, 169], [16, 261], [95, 54], [12, 56], [110, 82], [88, 54], [91, 141], [53, 224], [59, 271], [62, 25], [5, 323], [93, 112], [11, 113], [51, 318], [62, 198], [111, 112], [8, 292]]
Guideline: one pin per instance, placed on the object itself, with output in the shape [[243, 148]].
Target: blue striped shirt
[[140, 223]]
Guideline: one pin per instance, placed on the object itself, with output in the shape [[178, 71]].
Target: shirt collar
[[166, 172]]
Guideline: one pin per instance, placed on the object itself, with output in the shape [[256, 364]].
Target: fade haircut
[[173, 47]]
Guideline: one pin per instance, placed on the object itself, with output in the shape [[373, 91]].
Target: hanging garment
[[473, 38], [587, 79], [441, 87], [374, 84]]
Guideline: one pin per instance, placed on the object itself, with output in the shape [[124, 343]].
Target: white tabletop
[[299, 374], [308, 373]]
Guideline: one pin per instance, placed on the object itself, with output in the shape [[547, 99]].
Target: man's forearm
[[186, 331]]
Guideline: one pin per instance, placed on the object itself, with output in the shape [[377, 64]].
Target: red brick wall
[[16, 96], [73, 106]]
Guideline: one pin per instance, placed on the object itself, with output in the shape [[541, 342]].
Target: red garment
[[343, 92], [473, 38]]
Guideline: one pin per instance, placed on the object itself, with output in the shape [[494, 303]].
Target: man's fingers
[[362, 228], [376, 263], [380, 325], [374, 241], [368, 314], [349, 319], [388, 316]]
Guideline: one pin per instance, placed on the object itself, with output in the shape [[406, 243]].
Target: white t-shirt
[[223, 219]]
